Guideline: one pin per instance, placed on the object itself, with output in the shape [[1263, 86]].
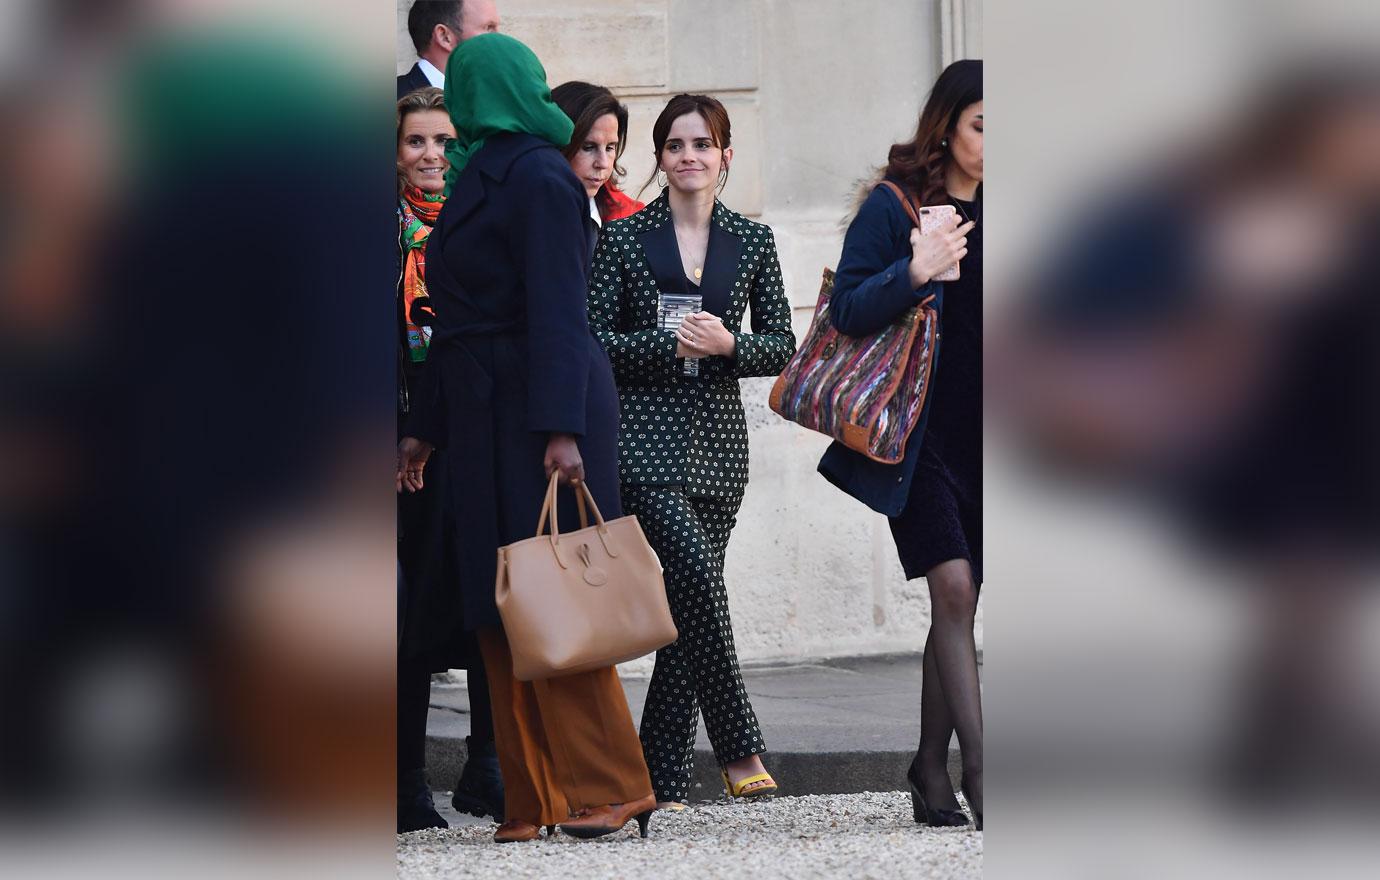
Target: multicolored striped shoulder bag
[[867, 392]]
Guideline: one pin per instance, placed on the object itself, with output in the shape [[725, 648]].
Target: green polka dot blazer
[[686, 430]]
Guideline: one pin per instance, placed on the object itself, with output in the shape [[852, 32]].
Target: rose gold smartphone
[[938, 217]]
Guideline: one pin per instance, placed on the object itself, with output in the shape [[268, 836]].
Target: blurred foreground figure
[[1211, 338], [245, 301], [198, 608]]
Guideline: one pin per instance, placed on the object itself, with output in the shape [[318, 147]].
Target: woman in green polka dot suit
[[683, 440]]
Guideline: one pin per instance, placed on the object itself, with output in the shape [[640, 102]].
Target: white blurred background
[[1180, 474]]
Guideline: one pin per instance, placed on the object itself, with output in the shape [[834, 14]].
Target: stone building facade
[[816, 90]]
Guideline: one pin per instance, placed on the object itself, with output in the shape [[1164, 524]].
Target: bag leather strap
[[905, 201], [914, 218], [549, 516]]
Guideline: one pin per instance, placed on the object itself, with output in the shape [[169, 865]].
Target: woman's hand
[[563, 455], [931, 254], [702, 335], [412, 457]]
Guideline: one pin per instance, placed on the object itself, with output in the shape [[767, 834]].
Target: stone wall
[[817, 90]]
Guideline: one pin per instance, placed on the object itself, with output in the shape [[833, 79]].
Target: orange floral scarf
[[417, 213]]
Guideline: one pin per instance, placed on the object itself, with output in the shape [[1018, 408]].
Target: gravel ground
[[868, 835]]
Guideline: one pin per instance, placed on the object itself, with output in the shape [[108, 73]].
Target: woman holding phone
[[934, 496]]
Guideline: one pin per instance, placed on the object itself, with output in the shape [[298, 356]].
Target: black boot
[[415, 808], [479, 790]]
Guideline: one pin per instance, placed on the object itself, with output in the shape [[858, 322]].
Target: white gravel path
[[868, 835]]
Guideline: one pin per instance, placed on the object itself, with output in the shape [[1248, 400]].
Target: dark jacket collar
[[654, 229], [501, 150], [493, 160], [658, 213]]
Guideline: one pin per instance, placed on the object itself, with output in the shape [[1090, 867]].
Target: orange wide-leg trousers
[[564, 744]]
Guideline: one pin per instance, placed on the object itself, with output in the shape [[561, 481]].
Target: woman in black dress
[[934, 496]]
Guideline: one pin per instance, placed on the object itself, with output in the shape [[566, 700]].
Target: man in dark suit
[[436, 28]]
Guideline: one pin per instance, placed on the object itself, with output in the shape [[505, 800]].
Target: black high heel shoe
[[977, 814], [921, 809]]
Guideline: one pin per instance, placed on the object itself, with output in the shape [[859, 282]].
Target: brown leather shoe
[[598, 821], [518, 831]]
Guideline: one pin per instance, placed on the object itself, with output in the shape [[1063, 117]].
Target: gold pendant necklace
[[699, 270]]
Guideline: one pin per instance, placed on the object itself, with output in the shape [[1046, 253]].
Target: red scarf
[[614, 204]]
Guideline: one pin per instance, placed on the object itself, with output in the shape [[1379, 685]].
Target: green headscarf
[[494, 84]]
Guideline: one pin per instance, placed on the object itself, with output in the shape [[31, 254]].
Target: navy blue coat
[[512, 359], [871, 289]]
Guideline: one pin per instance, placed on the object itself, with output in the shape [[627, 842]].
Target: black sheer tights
[[950, 696]]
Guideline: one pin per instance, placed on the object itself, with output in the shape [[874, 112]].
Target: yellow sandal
[[736, 791]]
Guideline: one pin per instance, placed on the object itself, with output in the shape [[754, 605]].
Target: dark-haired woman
[[601, 135], [520, 391], [934, 496], [683, 452]]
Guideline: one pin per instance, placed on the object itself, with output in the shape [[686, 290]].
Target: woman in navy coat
[[518, 388], [934, 496]]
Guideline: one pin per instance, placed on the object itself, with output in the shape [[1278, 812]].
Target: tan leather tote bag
[[581, 601]]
